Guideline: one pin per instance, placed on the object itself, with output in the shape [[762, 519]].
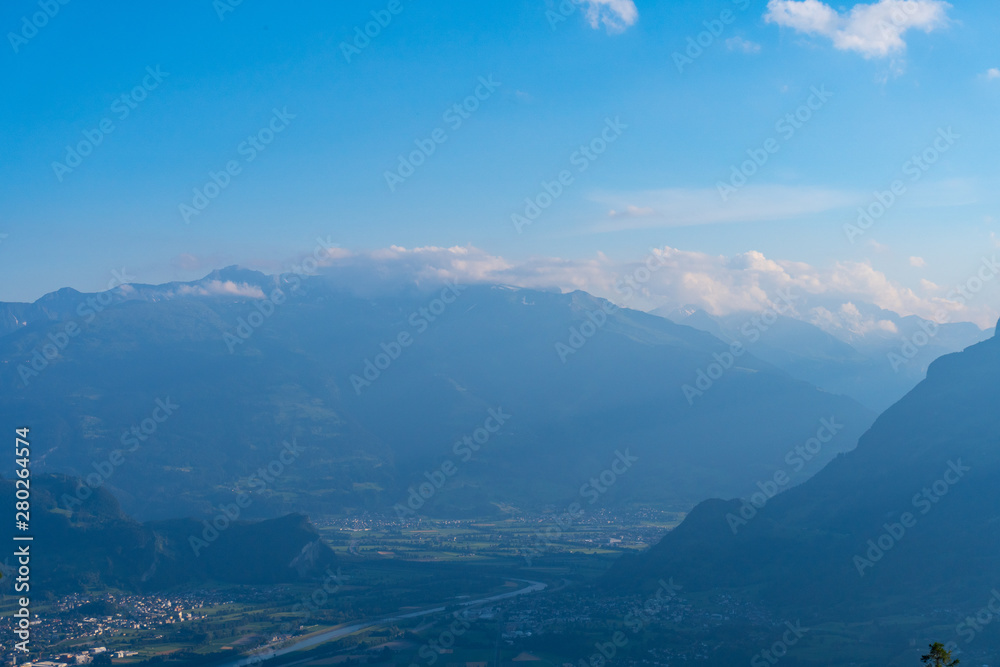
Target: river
[[269, 652]]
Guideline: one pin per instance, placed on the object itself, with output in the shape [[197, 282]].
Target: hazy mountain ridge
[[909, 520], [857, 364], [246, 383]]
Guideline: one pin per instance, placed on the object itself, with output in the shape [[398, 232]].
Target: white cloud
[[992, 73], [615, 15], [388, 270], [844, 297], [681, 207], [849, 319], [918, 262], [873, 30], [632, 211], [220, 288], [684, 207], [744, 45]]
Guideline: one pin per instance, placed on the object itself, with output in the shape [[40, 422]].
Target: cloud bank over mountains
[[835, 298]]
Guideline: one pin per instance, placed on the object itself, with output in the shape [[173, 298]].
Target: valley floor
[[426, 580]]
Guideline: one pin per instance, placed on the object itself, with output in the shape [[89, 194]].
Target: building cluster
[[85, 621], [514, 534], [66, 659]]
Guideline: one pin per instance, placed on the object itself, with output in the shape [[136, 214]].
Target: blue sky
[[559, 83]]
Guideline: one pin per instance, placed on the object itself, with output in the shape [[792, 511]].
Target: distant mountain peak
[[678, 313], [62, 293], [236, 273]]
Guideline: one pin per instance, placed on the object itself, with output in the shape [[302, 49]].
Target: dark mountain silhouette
[[94, 545], [908, 521]]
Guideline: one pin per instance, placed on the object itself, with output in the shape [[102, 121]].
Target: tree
[[938, 657]]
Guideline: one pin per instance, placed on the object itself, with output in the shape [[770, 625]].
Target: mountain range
[[877, 362], [906, 523], [89, 543], [438, 399]]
